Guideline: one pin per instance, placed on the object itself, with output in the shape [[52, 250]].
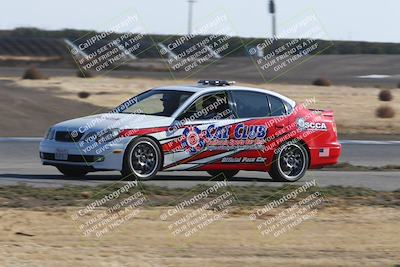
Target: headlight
[[50, 134], [108, 135]]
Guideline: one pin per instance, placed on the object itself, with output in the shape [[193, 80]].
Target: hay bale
[[86, 194], [33, 73], [385, 112], [83, 94], [385, 95], [322, 82]]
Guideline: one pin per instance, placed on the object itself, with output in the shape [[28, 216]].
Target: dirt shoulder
[[355, 236], [29, 112], [49, 227]]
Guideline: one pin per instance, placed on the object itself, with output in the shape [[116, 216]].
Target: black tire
[[290, 163], [72, 171], [228, 174], [142, 159]]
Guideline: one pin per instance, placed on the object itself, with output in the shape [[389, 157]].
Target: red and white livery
[[212, 126]]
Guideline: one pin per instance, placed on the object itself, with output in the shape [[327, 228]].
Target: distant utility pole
[[272, 12], [191, 2]]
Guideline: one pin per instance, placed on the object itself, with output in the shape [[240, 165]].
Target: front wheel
[[142, 159], [226, 174], [72, 171], [290, 163]]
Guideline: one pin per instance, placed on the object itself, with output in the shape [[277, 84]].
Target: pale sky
[[359, 20]]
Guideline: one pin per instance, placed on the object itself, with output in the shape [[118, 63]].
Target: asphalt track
[[20, 163]]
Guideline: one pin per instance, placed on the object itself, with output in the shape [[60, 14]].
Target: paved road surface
[[19, 163]]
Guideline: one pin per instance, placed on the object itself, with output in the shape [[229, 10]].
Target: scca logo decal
[[305, 125]]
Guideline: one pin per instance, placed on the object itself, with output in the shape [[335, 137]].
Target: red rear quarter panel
[[317, 129]]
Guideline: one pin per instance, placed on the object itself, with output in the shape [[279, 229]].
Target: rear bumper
[[325, 155]]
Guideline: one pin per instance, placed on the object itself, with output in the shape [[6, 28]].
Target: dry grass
[[361, 236], [30, 59], [354, 108], [23, 196]]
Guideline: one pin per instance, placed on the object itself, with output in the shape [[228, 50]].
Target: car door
[[263, 120], [206, 120]]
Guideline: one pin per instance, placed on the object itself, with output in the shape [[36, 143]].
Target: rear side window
[[251, 104], [277, 106]]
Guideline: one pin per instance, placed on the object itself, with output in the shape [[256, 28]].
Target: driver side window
[[213, 106]]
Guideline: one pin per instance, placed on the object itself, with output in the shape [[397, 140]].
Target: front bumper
[[108, 156]]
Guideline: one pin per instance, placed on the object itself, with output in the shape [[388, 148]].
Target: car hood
[[102, 121]]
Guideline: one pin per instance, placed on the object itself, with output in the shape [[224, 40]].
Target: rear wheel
[[226, 174], [142, 159], [290, 163], [72, 171]]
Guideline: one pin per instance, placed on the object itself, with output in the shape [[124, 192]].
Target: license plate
[[61, 154]]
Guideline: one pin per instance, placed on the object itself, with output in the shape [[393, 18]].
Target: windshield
[[155, 102]]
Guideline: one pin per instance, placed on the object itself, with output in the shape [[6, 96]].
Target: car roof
[[209, 88], [188, 88]]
